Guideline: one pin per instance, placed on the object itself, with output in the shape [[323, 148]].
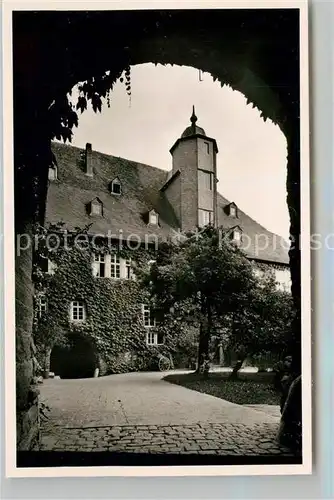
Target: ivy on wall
[[113, 323]]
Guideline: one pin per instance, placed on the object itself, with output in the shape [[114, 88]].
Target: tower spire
[[193, 118]]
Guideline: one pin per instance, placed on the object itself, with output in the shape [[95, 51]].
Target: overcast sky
[[251, 163]]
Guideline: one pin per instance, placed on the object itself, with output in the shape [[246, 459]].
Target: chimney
[[89, 160]]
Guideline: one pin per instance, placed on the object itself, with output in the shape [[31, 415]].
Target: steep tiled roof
[[69, 196], [257, 241]]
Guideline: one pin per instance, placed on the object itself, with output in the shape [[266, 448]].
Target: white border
[[9, 275]]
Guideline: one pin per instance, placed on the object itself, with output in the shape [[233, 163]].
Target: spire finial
[[193, 117]]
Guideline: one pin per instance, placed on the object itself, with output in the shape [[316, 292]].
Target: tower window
[[116, 187], [205, 180], [78, 311], [205, 217], [207, 147]]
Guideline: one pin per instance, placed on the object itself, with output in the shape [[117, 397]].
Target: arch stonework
[[255, 52]]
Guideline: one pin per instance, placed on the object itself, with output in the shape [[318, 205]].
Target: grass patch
[[249, 389]]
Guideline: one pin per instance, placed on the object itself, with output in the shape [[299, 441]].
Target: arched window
[[115, 186]]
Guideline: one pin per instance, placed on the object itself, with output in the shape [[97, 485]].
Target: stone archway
[[78, 360], [242, 48]]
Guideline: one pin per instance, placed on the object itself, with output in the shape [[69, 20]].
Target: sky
[[251, 162]]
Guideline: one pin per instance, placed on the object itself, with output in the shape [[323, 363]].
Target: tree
[[202, 278], [265, 324]]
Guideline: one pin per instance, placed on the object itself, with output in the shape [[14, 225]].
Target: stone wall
[[27, 415]]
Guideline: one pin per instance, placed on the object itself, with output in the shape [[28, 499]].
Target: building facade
[[133, 207]]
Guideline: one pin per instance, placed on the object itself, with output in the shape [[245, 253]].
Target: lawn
[[250, 389]]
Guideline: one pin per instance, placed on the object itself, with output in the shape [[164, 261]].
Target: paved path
[[141, 412]]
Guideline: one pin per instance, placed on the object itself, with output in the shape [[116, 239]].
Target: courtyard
[[142, 413]]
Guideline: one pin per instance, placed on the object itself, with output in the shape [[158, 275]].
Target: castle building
[[139, 205]]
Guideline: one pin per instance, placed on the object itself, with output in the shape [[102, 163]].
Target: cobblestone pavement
[[217, 439], [140, 412]]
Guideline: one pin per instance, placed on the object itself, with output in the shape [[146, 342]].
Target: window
[[99, 266], [78, 311], [52, 173], [205, 217], [148, 318], [207, 147], [236, 235], [42, 305], [205, 180], [128, 270], [154, 338], [153, 218], [115, 186], [47, 265], [96, 208], [115, 267], [233, 211]]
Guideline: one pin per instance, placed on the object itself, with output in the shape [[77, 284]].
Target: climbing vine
[[113, 324]]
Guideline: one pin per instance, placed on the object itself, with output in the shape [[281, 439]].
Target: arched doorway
[[78, 360]]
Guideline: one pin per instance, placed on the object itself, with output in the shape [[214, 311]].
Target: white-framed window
[[78, 310], [205, 180], [153, 218], [96, 208], [116, 187], [53, 174], [115, 267], [42, 305], [148, 317], [99, 265], [207, 147], [205, 217], [112, 266], [154, 338]]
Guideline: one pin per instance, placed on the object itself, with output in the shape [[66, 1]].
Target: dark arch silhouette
[[255, 51], [78, 360]]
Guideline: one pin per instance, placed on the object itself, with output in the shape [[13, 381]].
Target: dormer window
[[233, 211], [236, 235], [116, 187], [153, 218], [96, 207], [53, 175]]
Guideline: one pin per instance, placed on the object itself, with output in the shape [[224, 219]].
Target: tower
[[191, 189]]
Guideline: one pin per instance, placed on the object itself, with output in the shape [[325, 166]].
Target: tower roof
[[193, 129]]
